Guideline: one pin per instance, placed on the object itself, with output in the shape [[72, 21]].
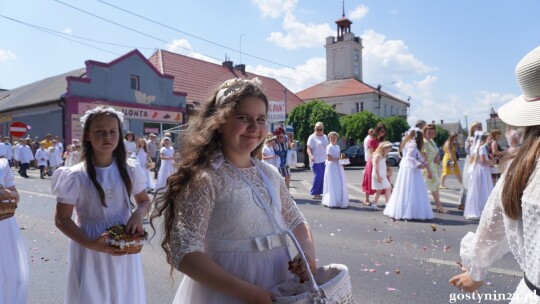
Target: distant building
[[494, 122], [130, 84], [452, 127], [200, 80], [344, 88]]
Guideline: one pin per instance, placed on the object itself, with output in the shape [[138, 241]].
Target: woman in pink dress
[[373, 143]]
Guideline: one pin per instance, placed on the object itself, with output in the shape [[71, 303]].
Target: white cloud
[[359, 12], [300, 35], [7, 55], [183, 47], [275, 8], [67, 30], [389, 58]]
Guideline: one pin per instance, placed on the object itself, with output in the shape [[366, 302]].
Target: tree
[[395, 127], [356, 126], [441, 136], [304, 117]]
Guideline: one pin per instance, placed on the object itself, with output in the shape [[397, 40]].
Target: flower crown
[[232, 86], [99, 110]]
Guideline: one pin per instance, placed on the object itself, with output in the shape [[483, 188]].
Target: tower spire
[[343, 8]]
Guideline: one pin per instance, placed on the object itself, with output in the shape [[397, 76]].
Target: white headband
[[232, 86], [99, 110]]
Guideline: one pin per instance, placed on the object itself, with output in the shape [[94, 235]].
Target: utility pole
[[379, 106]]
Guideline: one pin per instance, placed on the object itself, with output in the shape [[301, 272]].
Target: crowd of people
[[225, 213]]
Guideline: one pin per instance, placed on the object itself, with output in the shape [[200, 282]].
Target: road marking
[[492, 269], [306, 184], [357, 189], [36, 193]]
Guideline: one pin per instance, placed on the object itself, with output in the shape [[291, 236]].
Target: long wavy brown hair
[[519, 173], [199, 144], [119, 155]]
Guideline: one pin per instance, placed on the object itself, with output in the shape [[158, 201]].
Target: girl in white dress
[[99, 190], [480, 181], [166, 169], [379, 178], [268, 154], [335, 191], [68, 156], [42, 157], [410, 200], [215, 228], [142, 159], [13, 256], [130, 144], [511, 217]]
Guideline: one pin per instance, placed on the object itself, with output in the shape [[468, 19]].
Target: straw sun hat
[[525, 110]]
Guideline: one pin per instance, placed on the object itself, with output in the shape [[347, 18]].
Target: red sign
[[17, 129]]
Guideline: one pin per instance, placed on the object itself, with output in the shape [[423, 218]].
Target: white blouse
[[497, 233]]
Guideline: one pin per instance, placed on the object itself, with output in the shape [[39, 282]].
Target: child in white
[[68, 156], [409, 199], [13, 255], [480, 181], [166, 168], [268, 154], [42, 156], [99, 189], [379, 178], [142, 158], [335, 192], [55, 157]]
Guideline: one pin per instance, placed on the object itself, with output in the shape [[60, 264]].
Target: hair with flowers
[[100, 110], [232, 86]]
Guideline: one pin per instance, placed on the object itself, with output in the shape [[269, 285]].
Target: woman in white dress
[[166, 169], [379, 176], [511, 217], [476, 128], [142, 159], [335, 191], [216, 230], [98, 190], [268, 154], [480, 181], [410, 200], [13, 256]]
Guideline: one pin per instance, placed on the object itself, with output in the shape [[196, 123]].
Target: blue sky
[[454, 58]]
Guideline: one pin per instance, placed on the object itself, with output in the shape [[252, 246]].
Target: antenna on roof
[[343, 8]]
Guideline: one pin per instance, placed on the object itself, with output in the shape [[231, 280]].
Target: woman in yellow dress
[[450, 161]]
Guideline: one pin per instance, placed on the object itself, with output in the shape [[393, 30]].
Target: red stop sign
[[17, 129]]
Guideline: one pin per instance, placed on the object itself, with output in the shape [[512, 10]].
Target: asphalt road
[[389, 261]]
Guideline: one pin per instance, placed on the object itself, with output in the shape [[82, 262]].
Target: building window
[[362, 106], [385, 114], [357, 107], [391, 110], [134, 82]]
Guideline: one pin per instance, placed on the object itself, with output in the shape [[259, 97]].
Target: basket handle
[[313, 285]]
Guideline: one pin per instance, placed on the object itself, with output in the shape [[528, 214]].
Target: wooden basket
[[7, 207]]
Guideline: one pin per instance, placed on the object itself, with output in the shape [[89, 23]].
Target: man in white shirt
[[24, 155], [316, 149]]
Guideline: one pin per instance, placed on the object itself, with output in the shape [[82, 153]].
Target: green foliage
[[395, 127], [441, 136], [356, 126], [304, 117]]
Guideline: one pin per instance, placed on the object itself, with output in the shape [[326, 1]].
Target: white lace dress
[[220, 209], [497, 234], [97, 277], [13, 255], [409, 199], [166, 168], [479, 188]]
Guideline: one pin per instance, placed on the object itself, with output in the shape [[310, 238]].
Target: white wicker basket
[[334, 287]]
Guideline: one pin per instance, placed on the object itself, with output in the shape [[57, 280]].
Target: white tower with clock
[[343, 53]]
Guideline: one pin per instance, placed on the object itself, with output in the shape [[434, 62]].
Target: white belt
[[256, 244]]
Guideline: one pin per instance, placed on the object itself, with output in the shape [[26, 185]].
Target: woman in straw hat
[[510, 220]]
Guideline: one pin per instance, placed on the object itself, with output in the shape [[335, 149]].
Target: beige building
[[344, 88]]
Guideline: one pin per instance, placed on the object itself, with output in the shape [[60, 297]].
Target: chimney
[[227, 64], [241, 68], [442, 121]]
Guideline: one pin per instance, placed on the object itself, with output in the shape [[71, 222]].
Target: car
[[355, 155], [393, 157]]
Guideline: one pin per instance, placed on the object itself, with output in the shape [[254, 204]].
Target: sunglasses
[[318, 129]]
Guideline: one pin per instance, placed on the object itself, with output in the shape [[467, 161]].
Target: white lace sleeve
[[481, 249], [194, 208], [289, 210]]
